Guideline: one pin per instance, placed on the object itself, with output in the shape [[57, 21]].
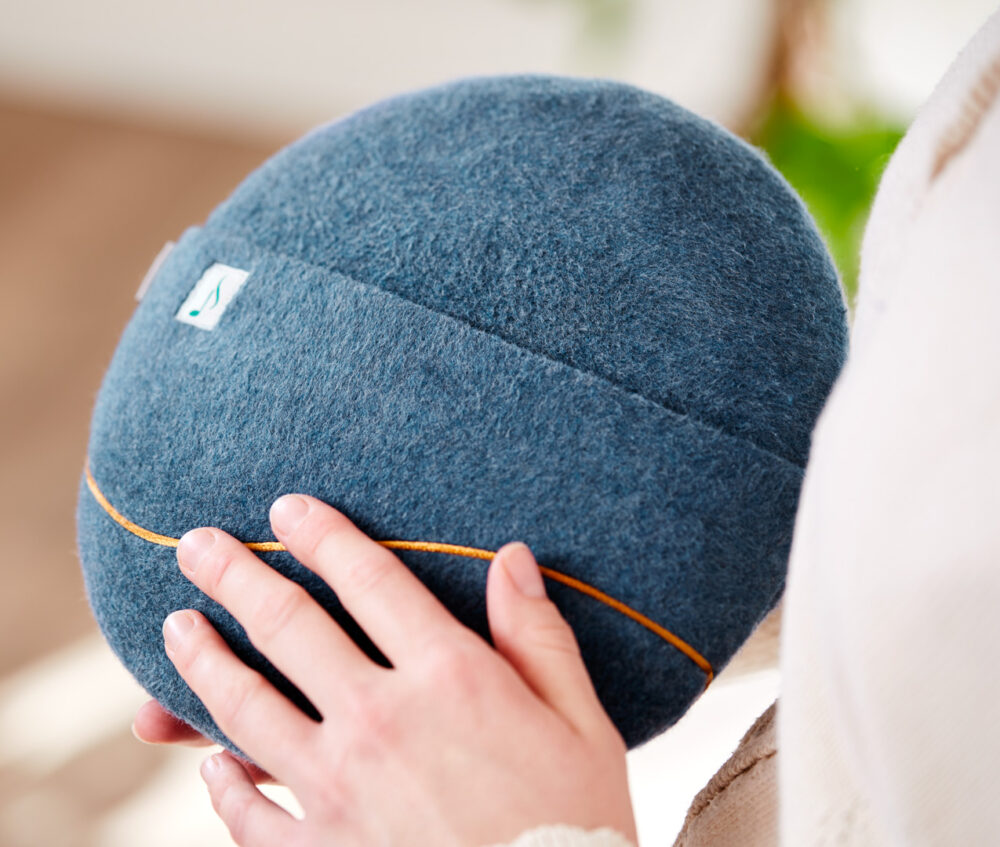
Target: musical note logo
[[211, 295], [195, 312]]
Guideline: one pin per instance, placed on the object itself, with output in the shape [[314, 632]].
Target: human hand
[[155, 725], [456, 744]]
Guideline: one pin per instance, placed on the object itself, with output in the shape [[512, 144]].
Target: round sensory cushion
[[564, 311]]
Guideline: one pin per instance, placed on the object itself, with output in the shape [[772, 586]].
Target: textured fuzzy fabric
[[556, 310]]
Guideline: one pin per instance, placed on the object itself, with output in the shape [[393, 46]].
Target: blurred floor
[[85, 205]]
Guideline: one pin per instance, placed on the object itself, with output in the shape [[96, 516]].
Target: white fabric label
[[210, 296], [154, 268]]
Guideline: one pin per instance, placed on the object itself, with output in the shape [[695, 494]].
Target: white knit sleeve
[[569, 836], [887, 728]]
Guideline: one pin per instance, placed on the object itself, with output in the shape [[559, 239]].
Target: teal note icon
[[195, 312]]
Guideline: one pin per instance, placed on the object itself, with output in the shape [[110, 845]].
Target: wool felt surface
[[557, 310]]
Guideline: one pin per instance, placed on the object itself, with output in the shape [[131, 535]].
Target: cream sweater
[[890, 652], [887, 731]]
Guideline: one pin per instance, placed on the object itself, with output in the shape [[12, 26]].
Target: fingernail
[[176, 626], [210, 767], [137, 736], [522, 569], [287, 513], [192, 547]]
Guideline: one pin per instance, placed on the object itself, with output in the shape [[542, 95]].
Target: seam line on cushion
[[429, 547], [590, 374]]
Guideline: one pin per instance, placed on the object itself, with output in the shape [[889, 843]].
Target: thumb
[[530, 633]]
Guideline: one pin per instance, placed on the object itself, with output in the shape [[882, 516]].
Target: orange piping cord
[[431, 547]]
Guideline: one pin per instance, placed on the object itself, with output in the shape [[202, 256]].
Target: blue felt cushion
[[557, 310]]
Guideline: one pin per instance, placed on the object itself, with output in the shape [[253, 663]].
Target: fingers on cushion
[[397, 611], [280, 617], [253, 820], [239, 699], [529, 631]]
